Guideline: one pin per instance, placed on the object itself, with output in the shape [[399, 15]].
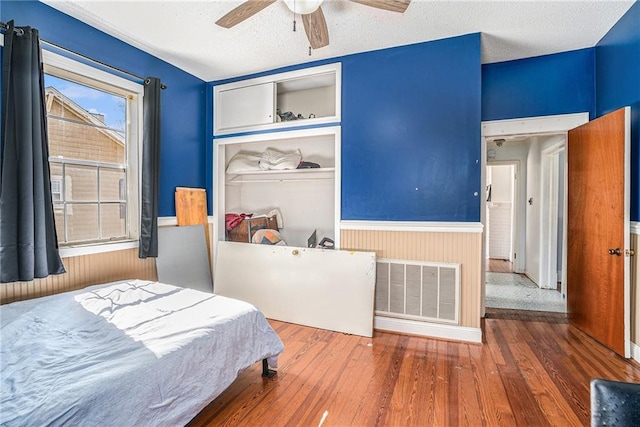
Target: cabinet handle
[[295, 252]]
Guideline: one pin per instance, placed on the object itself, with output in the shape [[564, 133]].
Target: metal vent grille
[[415, 290]]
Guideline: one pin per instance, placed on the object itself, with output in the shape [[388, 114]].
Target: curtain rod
[[19, 31], [5, 27]]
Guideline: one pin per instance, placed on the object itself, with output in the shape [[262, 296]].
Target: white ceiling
[[184, 33]]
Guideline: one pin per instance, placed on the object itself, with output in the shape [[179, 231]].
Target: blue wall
[[411, 132], [598, 80], [618, 85], [411, 115], [562, 83], [183, 102]]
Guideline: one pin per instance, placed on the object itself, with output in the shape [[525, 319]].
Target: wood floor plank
[[525, 407], [550, 399], [527, 372], [469, 397], [494, 403], [404, 406]]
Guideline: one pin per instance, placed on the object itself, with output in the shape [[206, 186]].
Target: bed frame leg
[[266, 372]]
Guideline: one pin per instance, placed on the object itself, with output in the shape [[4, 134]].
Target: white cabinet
[[324, 288], [309, 199], [246, 106], [312, 96]]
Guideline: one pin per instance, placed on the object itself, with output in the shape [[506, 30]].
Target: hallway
[[507, 290]]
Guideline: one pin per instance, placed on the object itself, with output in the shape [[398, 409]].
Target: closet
[[292, 112], [308, 199]]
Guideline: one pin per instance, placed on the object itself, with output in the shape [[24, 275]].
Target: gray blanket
[[126, 354]]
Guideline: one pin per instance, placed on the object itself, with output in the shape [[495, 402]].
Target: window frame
[[82, 73], [56, 179]]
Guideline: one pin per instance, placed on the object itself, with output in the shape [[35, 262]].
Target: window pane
[[112, 186], [55, 171], [112, 225], [81, 183], [83, 223], [59, 212], [84, 142], [75, 101], [85, 123]]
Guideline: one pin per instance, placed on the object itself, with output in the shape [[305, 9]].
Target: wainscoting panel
[[83, 271], [451, 247], [635, 289]]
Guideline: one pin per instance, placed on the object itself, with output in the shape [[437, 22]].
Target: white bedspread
[[132, 353]]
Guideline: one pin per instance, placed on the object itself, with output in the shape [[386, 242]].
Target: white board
[[322, 288]]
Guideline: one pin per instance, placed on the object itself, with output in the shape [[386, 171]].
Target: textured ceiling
[[184, 33]]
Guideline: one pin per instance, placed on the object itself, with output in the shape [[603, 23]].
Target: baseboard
[[430, 330], [530, 277], [635, 352]]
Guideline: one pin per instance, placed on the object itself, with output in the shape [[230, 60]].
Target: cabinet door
[[245, 106]]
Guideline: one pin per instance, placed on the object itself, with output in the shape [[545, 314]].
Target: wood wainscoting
[[635, 289], [464, 248], [83, 271]]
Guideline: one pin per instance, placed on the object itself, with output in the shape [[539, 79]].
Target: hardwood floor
[[528, 373]]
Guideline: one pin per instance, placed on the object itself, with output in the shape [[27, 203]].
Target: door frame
[[515, 194], [528, 126], [550, 165]]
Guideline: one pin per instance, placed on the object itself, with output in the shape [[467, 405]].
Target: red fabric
[[232, 220]]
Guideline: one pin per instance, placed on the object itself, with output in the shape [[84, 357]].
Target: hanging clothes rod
[[19, 31]]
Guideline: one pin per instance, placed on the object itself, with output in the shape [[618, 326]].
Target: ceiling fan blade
[[392, 5], [242, 12], [316, 28]]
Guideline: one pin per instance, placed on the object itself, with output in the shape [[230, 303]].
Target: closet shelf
[[314, 174]]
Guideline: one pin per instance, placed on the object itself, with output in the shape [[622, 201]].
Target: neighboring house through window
[[93, 120]]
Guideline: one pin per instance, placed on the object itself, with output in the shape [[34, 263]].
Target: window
[[94, 139], [56, 190]]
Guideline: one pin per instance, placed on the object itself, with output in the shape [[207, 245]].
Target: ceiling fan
[[312, 17]]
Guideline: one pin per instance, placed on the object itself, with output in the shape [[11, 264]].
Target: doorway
[[531, 282], [533, 152], [500, 214]]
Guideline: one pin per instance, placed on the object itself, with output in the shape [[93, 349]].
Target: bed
[[125, 353]]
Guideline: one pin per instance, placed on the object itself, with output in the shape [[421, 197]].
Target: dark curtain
[[28, 241], [150, 168]]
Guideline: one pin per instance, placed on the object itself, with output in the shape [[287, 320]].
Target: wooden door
[[598, 230]]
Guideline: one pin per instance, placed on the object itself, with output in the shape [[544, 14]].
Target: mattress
[[127, 353]]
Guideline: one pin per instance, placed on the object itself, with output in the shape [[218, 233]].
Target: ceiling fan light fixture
[[303, 7]]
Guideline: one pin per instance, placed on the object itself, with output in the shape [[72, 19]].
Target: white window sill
[[73, 251], [98, 248]]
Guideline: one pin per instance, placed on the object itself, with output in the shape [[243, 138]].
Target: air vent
[[415, 290]]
